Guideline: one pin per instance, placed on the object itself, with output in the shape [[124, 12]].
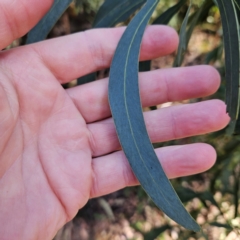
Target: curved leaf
[[165, 17], [86, 79], [198, 15], [115, 11], [128, 117], [154, 233], [221, 225], [237, 4], [111, 13], [183, 43], [41, 30], [214, 54], [232, 55]]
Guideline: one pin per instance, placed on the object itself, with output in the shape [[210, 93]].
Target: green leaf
[[86, 79], [221, 225], [144, 66], [111, 13], [154, 233], [236, 190], [182, 48], [41, 30], [127, 113], [186, 194], [214, 55], [237, 4], [114, 11], [107, 208], [198, 16], [232, 55], [185, 34], [165, 17], [208, 196]]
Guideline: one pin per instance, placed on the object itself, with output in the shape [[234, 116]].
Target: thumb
[[18, 17]]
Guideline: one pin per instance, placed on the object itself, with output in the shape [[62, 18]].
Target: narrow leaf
[[198, 16], [145, 66], [182, 48], [41, 30], [221, 225], [114, 11], [154, 233], [185, 35], [186, 194], [232, 55], [165, 17], [127, 113], [214, 55], [208, 196], [111, 13], [86, 79]]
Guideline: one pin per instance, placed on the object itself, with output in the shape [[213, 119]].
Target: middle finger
[[156, 87]]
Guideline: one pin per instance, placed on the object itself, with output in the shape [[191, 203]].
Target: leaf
[[127, 113], [111, 13], [221, 225], [185, 35], [114, 11], [214, 55], [186, 194], [144, 66], [208, 196], [237, 4], [154, 233], [182, 48], [107, 208], [236, 124], [165, 17], [86, 79], [198, 16], [41, 30], [236, 190], [232, 55]]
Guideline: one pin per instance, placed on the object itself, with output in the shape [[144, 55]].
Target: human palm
[[59, 147]]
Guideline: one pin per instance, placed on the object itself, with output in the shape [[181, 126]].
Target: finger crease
[[167, 92], [92, 142], [96, 52]]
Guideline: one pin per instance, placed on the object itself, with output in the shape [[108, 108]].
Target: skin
[[59, 147]]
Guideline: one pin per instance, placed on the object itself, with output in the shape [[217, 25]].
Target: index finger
[[18, 17], [79, 54]]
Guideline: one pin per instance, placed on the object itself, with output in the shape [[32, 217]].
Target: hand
[[59, 147]]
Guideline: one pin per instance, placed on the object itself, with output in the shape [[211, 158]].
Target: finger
[[164, 124], [18, 17], [79, 54], [156, 87], [113, 172]]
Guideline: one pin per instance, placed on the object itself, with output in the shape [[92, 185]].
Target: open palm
[[59, 147]]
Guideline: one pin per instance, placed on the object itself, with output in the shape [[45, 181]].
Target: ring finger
[[164, 124]]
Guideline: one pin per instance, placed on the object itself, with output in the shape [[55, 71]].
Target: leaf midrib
[[125, 99]]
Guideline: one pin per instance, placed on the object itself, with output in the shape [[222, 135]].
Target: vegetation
[[212, 198]]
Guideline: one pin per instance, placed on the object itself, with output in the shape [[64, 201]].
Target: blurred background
[[212, 197]]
